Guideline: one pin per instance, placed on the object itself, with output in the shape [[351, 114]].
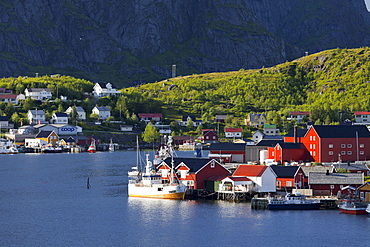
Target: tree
[[189, 123], [151, 134]]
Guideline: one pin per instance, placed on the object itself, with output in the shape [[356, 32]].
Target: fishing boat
[[368, 208], [7, 147], [353, 206], [293, 202], [111, 146], [92, 147], [152, 185]]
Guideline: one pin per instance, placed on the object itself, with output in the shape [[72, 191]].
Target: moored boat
[[368, 208], [353, 206], [152, 185], [293, 202], [92, 147]]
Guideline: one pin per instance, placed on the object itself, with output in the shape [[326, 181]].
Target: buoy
[[88, 183]]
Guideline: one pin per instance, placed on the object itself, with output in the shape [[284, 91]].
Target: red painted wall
[[207, 172]]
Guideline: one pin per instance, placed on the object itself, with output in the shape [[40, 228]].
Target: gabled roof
[[285, 171], [250, 170], [227, 146], [102, 108], [60, 114], [350, 167], [268, 143], [37, 112], [38, 89], [44, 134], [4, 118], [255, 116], [104, 84], [8, 96], [185, 118], [307, 169], [239, 178], [233, 129], [194, 164], [341, 131], [300, 133], [361, 113], [335, 178]]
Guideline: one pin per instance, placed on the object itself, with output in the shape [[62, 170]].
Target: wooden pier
[[259, 203]]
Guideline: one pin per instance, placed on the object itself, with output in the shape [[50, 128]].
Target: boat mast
[[169, 144]]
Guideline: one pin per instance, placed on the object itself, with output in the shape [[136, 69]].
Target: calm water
[[44, 202]]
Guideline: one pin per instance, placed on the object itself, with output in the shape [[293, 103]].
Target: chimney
[[327, 173], [295, 133]]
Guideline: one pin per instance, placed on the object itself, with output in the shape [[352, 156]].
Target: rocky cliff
[[136, 41]]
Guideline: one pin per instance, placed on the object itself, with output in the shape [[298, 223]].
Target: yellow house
[[49, 136], [255, 120], [364, 192]]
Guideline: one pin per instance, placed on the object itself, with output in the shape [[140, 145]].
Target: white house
[[126, 128], [4, 122], [105, 89], [263, 176], [270, 129], [36, 116], [148, 117], [38, 93], [33, 142], [240, 184], [102, 111], [233, 132], [59, 118], [298, 115], [163, 129], [362, 117], [257, 136], [81, 114], [12, 98]]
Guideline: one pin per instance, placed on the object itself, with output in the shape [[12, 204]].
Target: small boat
[[92, 147], [49, 148], [151, 185], [111, 146], [368, 208], [7, 147], [293, 202], [353, 206]]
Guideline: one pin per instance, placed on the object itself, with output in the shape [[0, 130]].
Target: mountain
[[132, 42]]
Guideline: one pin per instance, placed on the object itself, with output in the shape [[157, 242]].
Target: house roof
[[233, 129], [104, 84], [185, 118], [235, 179], [38, 89], [8, 96], [143, 115], [227, 146], [285, 171], [352, 166], [255, 116], [4, 118], [43, 134], [307, 169], [361, 113], [37, 112], [335, 178], [250, 170], [270, 137], [341, 131], [300, 133], [268, 143], [102, 108], [194, 164], [60, 114]]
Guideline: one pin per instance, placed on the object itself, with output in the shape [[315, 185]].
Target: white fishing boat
[[92, 147], [152, 185], [7, 147], [111, 146], [292, 202]]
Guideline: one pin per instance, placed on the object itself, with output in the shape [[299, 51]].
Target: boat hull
[[310, 206], [356, 211], [172, 196], [166, 192]]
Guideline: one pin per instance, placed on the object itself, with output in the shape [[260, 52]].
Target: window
[[349, 146], [314, 146], [273, 154], [343, 153], [310, 146], [349, 152], [331, 186], [362, 145], [343, 145], [314, 138], [212, 164], [362, 152], [310, 138], [331, 145], [289, 183], [330, 152]]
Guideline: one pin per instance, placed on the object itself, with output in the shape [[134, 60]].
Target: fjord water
[[44, 201]]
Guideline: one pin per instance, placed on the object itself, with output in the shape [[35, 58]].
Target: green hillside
[[330, 84]]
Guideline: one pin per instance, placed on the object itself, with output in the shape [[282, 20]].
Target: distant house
[[259, 136], [4, 122], [308, 169], [48, 136], [9, 98], [66, 142], [36, 116], [59, 118], [38, 93], [352, 167], [236, 184], [81, 114], [126, 128], [364, 192], [221, 118], [298, 115], [255, 120], [105, 89], [288, 177], [194, 172], [103, 112], [186, 118], [362, 117], [150, 117], [227, 152], [233, 132], [179, 140], [270, 129], [80, 140], [163, 129], [209, 136], [326, 184], [263, 176]]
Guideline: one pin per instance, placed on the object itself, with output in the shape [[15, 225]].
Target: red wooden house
[[287, 152], [193, 172], [329, 143], [288, 177], [228, 152], [209, 136], [326, 184]]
